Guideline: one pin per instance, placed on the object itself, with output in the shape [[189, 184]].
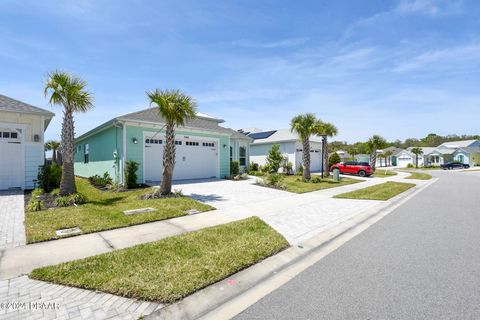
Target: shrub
[[287, 166], [274, 159], [275, 180], [410, 165], [316, 179], [131, 174], [334, 158], [49, 177], [70, 200], [99, 181], [34, 205], [254, 166], [234, 168], [256, 173]]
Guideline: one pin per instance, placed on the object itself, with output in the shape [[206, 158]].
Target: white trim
[[147, 124], [124, 150]]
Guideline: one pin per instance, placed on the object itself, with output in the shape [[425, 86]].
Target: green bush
[[131, 174], [315, 179], [299, 170], [287, 167], [410, 165], [34, 205], [99, 181], [234, 168], [274, 159], [275, 180], [49, 177], [253, 166], [70, 200], [334, 158]]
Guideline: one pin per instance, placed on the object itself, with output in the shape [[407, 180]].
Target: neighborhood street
[[419, 262]]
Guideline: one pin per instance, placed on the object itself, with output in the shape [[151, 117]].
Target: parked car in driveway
[[361, 169], [454, 165]]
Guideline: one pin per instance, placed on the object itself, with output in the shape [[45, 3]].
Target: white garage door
[[195, 158], [315, 160], [11, 170], [404, 161]]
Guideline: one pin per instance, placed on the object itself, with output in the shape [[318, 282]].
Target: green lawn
[[294, 185], [383, 173], [383, 191], [103, 211], [419, 176], [172, 268]]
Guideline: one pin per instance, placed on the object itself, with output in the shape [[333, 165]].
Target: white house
[[22, 127], [290, 146]]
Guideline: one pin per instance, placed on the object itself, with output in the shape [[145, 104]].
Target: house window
[[243, 156], [86, 154], [13, 135], [231, 154], [178, 143], [192, 143], [6, 134], [208, 144]]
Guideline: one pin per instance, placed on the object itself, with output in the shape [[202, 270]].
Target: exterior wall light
[[135, 140]]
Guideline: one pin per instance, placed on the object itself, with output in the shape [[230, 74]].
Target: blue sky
[[400, 69]]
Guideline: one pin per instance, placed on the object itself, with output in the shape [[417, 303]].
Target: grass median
[[384, 173], [296, 185], [172, 268], [383, 191], [419, 176], [103, 210]]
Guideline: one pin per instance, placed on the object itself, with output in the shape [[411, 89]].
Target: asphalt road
[[422, 261]]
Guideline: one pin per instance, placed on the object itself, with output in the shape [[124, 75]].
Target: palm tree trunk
[[306, 159], [373, 159], [67, 184], [168, 160], [325, 167], [54, 156]]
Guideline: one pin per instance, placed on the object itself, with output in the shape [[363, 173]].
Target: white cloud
[[430, 7]]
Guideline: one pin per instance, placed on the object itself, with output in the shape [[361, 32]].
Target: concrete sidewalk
[[296, 216]]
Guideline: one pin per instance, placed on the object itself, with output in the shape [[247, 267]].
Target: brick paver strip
[[12, 215]]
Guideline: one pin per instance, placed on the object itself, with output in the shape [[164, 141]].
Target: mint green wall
[[135, 151], [101, 147]]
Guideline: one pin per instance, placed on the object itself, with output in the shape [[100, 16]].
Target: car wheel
[[362, 173]]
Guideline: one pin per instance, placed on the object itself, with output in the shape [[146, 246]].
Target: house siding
[[102, 145], [134, 152], [34, 158]]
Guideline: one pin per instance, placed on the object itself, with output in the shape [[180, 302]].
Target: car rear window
[[364, 164]]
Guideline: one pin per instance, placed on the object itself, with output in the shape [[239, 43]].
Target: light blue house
[[204, 149], [22, 149]]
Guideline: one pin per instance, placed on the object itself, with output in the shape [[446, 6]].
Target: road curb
[[229, 297]]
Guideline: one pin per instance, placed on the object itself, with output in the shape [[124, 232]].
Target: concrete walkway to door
[[12, 230]]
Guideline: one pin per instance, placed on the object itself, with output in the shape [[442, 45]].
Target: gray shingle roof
[[457, 144], [200, 122], [282, 135], [12, 105]]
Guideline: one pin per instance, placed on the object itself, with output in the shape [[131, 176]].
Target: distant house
[[22, 149], [290, 146], [344, 155], [204, 149], [467, 155]]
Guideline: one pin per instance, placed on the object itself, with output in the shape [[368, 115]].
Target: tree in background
[[53, 146], [417, 152], [176, 108], [374, 143], [274, 159], [334, 158], [388, 157], [69, 92]]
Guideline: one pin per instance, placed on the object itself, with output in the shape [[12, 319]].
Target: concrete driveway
[[222, 194], [12, 215]]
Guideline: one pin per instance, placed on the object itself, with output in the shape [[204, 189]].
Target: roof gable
[[12, 105]]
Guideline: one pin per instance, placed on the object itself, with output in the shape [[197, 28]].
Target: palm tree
[[176, 108], [387, 155], [374, 143], [69, 92], [417, 151], [325, 130], [306, 125], [53, 145]]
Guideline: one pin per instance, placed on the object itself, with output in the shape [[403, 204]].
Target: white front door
[[195, 158], [12, 172]]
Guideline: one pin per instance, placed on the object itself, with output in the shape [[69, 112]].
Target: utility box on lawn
[[336, 175]]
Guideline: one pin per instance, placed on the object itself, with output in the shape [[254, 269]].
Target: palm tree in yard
[[325, 130], [176, 108], [70, 93], [306, 125], [374, 143], [417, 152], [387, 155], [53, 146]]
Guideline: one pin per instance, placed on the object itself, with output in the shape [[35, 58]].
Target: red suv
[[362, 169]]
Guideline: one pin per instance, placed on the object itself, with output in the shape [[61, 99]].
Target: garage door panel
[[194, 159], [11, 171]]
